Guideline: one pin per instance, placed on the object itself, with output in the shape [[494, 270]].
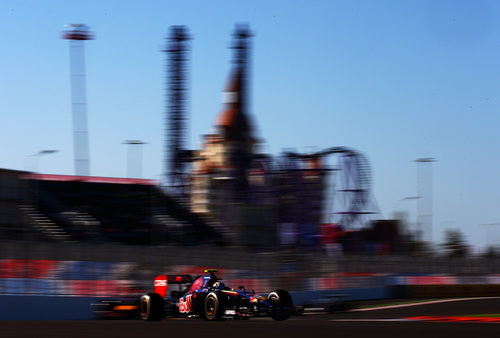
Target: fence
[[107, 269]]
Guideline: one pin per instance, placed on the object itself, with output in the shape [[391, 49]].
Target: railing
[[110, 269]]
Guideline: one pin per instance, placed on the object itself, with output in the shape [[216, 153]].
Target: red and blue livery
[[208, 298]]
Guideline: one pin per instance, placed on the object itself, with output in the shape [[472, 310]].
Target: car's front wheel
[[213, 309]]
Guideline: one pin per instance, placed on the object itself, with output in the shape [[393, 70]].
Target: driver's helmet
[[219, 285]]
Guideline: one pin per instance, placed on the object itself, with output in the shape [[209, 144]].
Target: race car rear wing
[[161, 282]]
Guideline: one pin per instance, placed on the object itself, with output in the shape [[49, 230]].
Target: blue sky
[[396, 80]]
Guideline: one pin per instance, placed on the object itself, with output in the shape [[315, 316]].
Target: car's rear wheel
[[213, 309], [151, 307], [282, 304]]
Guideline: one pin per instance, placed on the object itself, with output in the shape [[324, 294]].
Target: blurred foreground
[[113, 270]]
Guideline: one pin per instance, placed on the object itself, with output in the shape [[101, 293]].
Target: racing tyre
[[282, 304], [151, 307], [214, 307]]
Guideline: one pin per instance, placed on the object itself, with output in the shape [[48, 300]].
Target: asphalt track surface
[[374, 323]]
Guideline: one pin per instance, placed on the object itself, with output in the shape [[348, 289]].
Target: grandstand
[[10, 197], [100, 209]]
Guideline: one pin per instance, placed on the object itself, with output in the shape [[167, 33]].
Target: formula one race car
[[208, 298]]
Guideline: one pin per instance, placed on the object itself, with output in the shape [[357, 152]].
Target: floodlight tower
[[134, 158], [177, 98], [77, 34], [424, 202]]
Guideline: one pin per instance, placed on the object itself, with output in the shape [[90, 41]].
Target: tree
[[454, 244], [491, 252]]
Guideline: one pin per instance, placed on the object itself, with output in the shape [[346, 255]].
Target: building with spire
[[260, 201], [226, 174]]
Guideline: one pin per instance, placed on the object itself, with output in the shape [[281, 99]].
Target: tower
[[241, 47], [219, 182], [134, 158], [424, 202], [77, 34], [177, 97], [233, 123]]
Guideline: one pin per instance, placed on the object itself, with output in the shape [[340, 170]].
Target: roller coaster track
[[354, 180]]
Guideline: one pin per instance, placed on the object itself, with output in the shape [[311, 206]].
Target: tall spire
[[241, 55], [233, 121]]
